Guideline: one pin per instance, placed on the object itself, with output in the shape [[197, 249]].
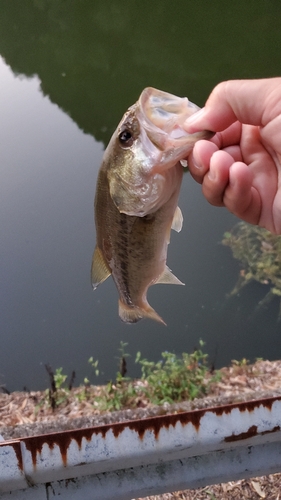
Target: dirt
[[26, 414]]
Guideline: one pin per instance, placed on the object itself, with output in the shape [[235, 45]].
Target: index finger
[[253, 102]]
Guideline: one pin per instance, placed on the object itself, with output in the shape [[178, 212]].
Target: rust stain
[[152, 424], [252, 431], [17, 449], [61, 439]]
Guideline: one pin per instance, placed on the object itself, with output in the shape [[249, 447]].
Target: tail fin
[[133, 314]]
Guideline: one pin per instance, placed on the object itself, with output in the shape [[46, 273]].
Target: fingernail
[[197, 165], [192, 120], [212, 174]]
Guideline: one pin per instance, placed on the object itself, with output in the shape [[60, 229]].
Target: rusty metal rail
[[145, 457]]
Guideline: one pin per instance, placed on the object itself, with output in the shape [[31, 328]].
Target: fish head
[[148, 143]]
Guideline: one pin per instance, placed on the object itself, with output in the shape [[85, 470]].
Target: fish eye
[[126, 138]]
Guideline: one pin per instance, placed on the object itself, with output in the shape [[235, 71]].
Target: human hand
[[240, 167]]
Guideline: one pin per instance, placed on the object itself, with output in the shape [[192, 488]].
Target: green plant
[[118, 395], [175, 378], [58, 392], [172, 379], [59, 378], [121, 393]]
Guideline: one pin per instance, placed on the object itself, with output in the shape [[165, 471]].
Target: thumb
[[249, 101]]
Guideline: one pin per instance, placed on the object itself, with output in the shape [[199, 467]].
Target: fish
[[136, 200]]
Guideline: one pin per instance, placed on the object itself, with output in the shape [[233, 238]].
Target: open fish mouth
[[162, 116], [149, 144]]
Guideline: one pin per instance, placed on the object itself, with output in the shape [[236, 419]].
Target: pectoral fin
[[167, 277], [100, 270], [177, 220]]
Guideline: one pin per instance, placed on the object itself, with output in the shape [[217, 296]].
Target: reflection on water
[[259, 253], [68, 76]]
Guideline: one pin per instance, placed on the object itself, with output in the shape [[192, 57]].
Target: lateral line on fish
[[124, 258]]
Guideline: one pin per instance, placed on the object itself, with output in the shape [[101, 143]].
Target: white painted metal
[[12, 474], [138, 458]]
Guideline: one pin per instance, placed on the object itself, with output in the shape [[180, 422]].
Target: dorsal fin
[[167, 277], [132, 314], [177, 220], [100, 270]]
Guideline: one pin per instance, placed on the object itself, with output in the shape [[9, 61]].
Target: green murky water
[[68, 71]]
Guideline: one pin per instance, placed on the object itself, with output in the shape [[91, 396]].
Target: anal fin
[[177, 220], [168, 278], [100, 270]]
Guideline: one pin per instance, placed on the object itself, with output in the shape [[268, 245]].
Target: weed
[[58, 393], [59, 378], [172, 379], [175, 378], [122, 393]]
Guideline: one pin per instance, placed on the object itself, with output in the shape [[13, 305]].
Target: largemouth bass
[[137, 196]]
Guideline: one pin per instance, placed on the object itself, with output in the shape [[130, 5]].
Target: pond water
[[67, 74]]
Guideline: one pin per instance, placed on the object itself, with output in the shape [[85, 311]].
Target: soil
[[27, 414]]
